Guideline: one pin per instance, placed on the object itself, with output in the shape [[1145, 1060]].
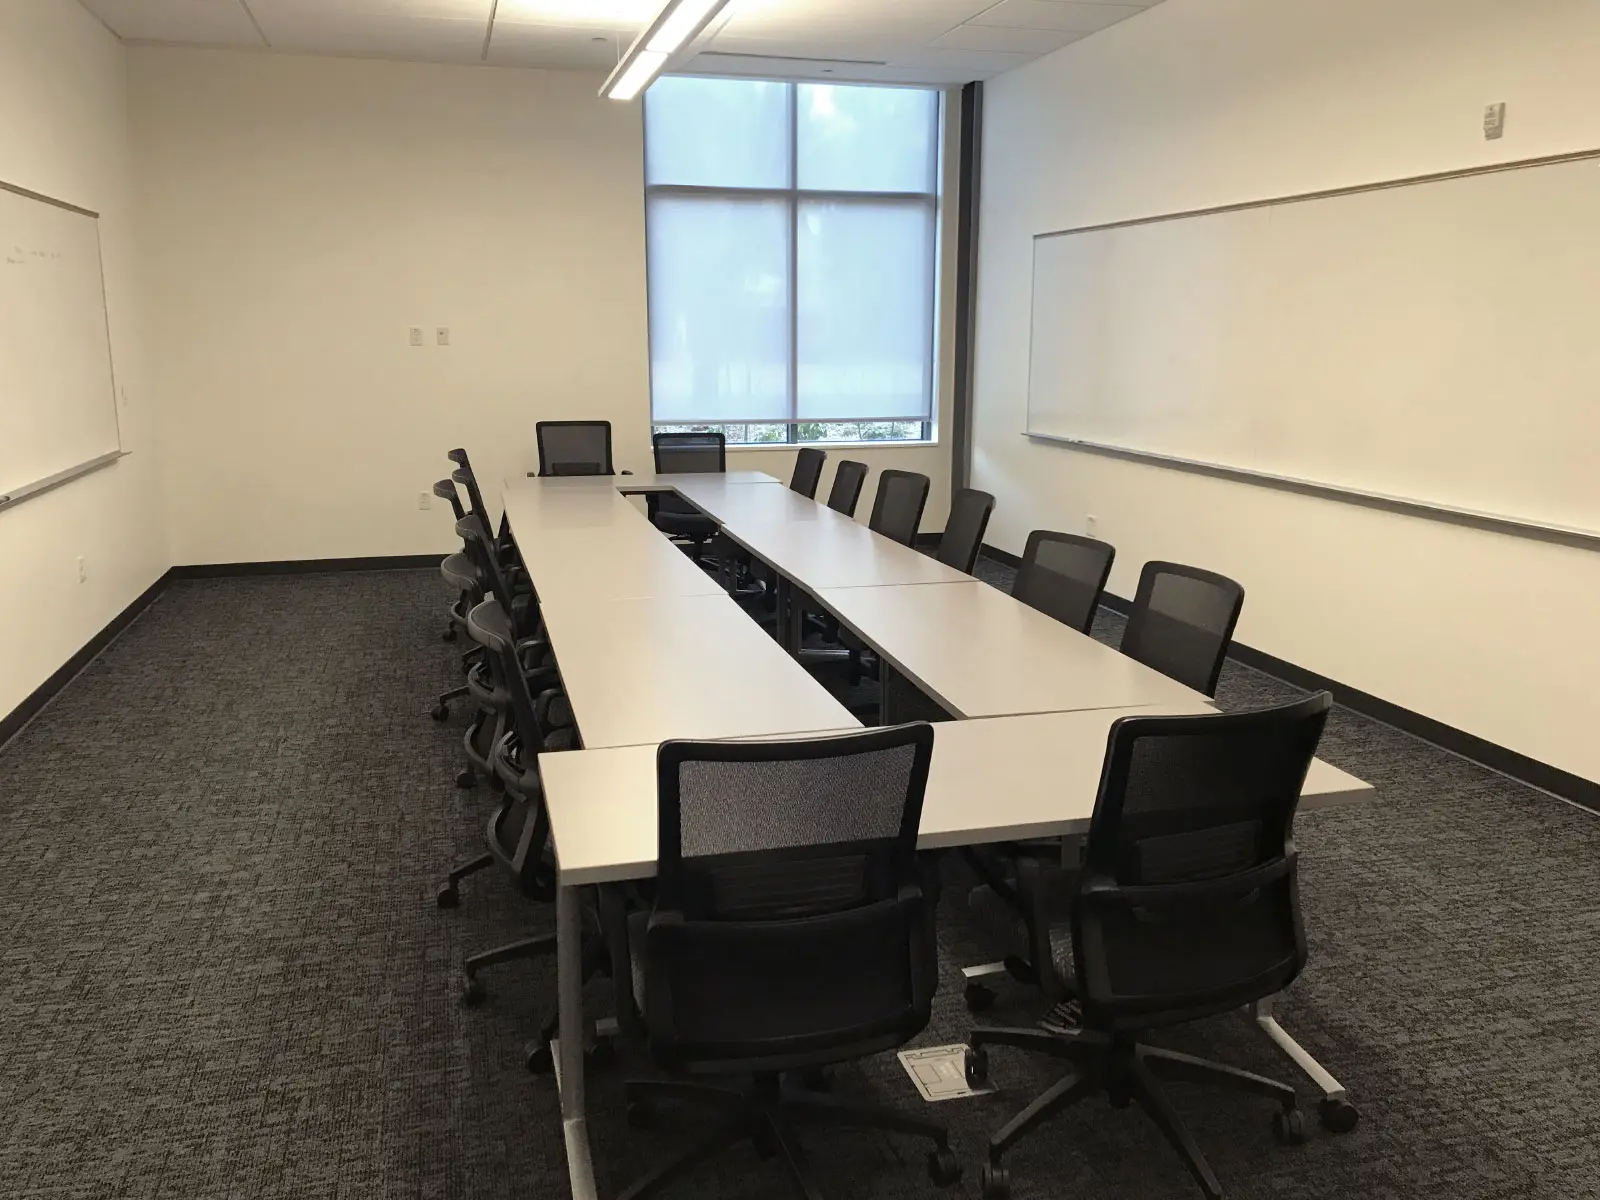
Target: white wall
[[1204, 102], [300, 214], [64, 133]]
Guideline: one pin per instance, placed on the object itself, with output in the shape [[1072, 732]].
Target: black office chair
[[845, 494], [464, 579], [808, 471], [1187, 907], [685, 453], [464, 475], [897, 508], [1063, 576], [503, 695], [790, 931], [492, 717], [964, 529], [574, 447], [1182, 623], [445, 489]]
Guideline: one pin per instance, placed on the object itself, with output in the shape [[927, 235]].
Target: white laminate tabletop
[[980, 653], [649, 481], [643, 481], [644, 671], [734, 502], [826, 553], [587, 545], [1003, 779]]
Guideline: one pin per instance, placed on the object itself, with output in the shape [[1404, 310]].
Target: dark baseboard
[[13, 721], [1000, 556], [303, 566], [1541, 775]]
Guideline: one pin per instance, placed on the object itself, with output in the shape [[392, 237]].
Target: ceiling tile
[[1013, 41], [1056, 14], [916, 41], [632, 15], [340, 28], [201, 22], [524, 45]]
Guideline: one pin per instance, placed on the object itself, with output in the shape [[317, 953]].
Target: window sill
[[879, 444]]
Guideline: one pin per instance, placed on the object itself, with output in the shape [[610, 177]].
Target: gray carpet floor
[[222, 973]]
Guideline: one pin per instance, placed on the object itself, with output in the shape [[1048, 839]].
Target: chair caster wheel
[[1338, 1114], [641, 1114], [541, 1060], [1289, 1128], [977, 1066], [979, 998], [449, 635], [944, 1168], [601, 1055], [473, 993], [448, 896], [994, 1182], [466, 780], [440, 712]]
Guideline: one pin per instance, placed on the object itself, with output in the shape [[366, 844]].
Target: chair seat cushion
[[687, 524]]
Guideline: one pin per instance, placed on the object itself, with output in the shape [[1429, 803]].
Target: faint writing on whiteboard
[[17, 256]]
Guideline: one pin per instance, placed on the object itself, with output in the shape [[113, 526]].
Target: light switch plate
[[1494, 121]]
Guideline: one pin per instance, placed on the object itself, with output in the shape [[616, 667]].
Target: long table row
[[650, 648]]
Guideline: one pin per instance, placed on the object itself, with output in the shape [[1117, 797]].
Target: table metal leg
[[574, 1033], [790, 617], [886, 705], [1336, 1110]]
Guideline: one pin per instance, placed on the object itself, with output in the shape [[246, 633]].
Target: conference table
[[650, 647]]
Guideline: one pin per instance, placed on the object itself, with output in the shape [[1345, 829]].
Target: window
[[792, 247]]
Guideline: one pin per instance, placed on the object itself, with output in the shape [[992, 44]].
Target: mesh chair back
[[897, 508], [469, 481], [445, 489], [574, 447], [685, 453], [964, 529], [845, 494], [475, 537], [518, 833], [781, 864], [1188, 904], [1182, 623], [808, 471], [1063, 575]]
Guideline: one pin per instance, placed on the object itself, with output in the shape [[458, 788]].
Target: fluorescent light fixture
[[645, 66], [682, 22], [675, 26]]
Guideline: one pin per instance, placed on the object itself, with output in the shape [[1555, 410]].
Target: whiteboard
[[57, 393], [1436, 342]]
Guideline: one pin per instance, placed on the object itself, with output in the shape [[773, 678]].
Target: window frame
[[794, 196]]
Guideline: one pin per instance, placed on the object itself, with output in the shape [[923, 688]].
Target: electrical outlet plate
[[416, 335], [442, 335], [424, 499]]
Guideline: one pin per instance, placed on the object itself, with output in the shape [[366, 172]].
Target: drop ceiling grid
[[916, 41]]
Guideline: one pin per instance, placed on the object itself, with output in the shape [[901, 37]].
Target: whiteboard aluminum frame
[[1569, 535], [49, 483]]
